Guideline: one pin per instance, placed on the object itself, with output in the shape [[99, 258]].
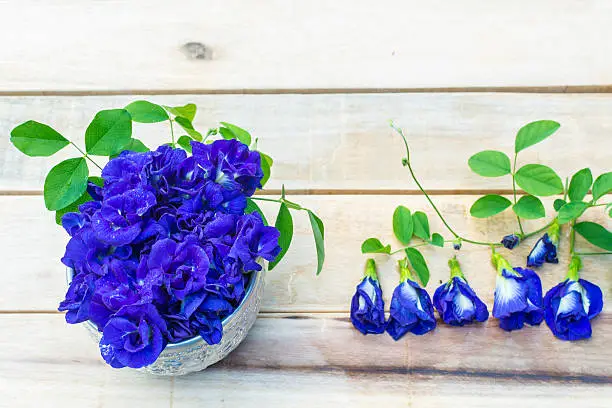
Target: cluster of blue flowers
[[164, 251], [567, 308]]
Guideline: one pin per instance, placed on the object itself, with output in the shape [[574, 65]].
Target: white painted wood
[[271, 44], [344, 141], [305, 362], [33, 245]]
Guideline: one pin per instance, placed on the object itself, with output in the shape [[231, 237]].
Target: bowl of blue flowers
[[167, 250]]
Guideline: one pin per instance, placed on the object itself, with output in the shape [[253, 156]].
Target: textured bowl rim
[[253, 280]]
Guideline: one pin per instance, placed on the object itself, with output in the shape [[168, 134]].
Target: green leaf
[[437, 240], [238, 132], [37, 139], [490, 163], [188, 111], [609, 209], [65, 183], [602, 186], [374, 246], [188, 127], [533, 133], [421, 225], [580, 184], [558, 204], [185, 142], [253, 207], [539, 180], [134, 145], [318, 233], [571, 211], [146, 112], [489, 205], [109, 131], [74, 207], [418, 264], [266, 164], [595, 234], [402, 224], [284, 223], [98, 181], [529, 208]]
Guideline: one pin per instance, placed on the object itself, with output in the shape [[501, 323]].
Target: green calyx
[[455, 269], [404, 270], [370, 269], [573, 271], [554, 232], [500, 263]]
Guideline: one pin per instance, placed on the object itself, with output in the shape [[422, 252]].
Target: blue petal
[[510, 296], [594, 296]]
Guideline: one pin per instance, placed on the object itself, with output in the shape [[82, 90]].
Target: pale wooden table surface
[[317, 82]]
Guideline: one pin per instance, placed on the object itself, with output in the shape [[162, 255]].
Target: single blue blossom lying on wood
[[456, 301], [411, 308], [518, 295], [570, 306], [545, 249], [367, 306], [510, 241]]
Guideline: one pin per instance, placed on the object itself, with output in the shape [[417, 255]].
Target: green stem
[[171, 131], [404, 270], [289, 204], [592, 253], [514, 194], [572, 239], [599, 205], [415, 246], [370, 269], [407, 164], [530, 234], [85, 155]]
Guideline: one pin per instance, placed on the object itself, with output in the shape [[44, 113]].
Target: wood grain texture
[[350, 44], [34, 245], [343, 142], [300, 362]]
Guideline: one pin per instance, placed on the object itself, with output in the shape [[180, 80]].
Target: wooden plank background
[[317, 82], [276, 45]]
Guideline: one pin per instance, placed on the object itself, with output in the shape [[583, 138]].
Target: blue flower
[[518, 296], [510, 241], [134, 337], [367, 305], [570, 306], [118, 222], [207, 320], [545, 250], [456, 301], [232, 170], [411, 308], [254, 240], [183, 267], [78, 298]]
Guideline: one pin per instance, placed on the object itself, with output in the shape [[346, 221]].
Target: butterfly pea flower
[[545, 249], [518, 295], [411, 309], [456, 301], [367, 305], [134, 337], [510, 241], [570, 306], [457, 244], [233, 172], [78, 298]]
